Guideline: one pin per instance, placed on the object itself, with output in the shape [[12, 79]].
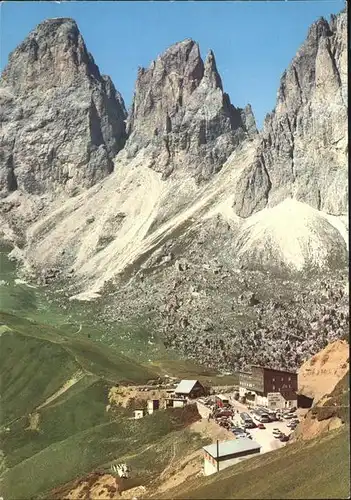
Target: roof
[[227, 448], [185, 386], [273, 369]]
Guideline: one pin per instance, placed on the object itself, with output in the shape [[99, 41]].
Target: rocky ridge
[[182, 116], [303, 145]]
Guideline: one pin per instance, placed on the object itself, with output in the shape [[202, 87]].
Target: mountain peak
[[303, 141], [179, 109], [71, 117], [319, 29], [53, 54]]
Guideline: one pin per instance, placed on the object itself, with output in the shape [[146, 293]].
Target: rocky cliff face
[[63, 122], [325, 378], [303, 147], [182, 116]]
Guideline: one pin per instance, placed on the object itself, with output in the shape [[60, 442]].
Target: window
[[282, 379], [289, 378], [273, 379], [273, 387]]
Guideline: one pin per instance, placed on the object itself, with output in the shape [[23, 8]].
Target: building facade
[[175, 402], [280, 385], [153, 405]]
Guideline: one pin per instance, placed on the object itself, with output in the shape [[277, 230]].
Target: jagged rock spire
[[181, 114], [53, 55], [303, 147]]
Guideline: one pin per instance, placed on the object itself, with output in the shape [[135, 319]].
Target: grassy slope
[[74, 434], [315, 469], [149, 460], [185, 369], [84, 354], [139, 442], [35, 362]]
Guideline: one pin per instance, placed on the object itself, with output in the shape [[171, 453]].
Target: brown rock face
[[303, 150], [182, 116], [62, 121], [319, 375]]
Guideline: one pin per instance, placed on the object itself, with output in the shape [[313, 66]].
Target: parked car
[[261, 426], [277, 432], [287, 416], [224, 413], [239, 434], [249, 425], [283, 438], [293, 409], [238, 430]]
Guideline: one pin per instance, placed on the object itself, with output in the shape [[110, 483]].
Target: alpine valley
[[174, 239]]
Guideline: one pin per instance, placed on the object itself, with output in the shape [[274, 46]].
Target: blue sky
[[253, 41]]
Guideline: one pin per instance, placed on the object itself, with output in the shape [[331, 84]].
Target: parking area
[[264, 437]]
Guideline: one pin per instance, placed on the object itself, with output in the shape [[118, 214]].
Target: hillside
[[144, 444], [54, 394], [318, 469], [319, 375], [332, 411], [55, 422], [55, 383]]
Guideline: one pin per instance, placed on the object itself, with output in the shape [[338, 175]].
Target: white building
[[175, 403], [139, 414], [277, 400], [219, 456]]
